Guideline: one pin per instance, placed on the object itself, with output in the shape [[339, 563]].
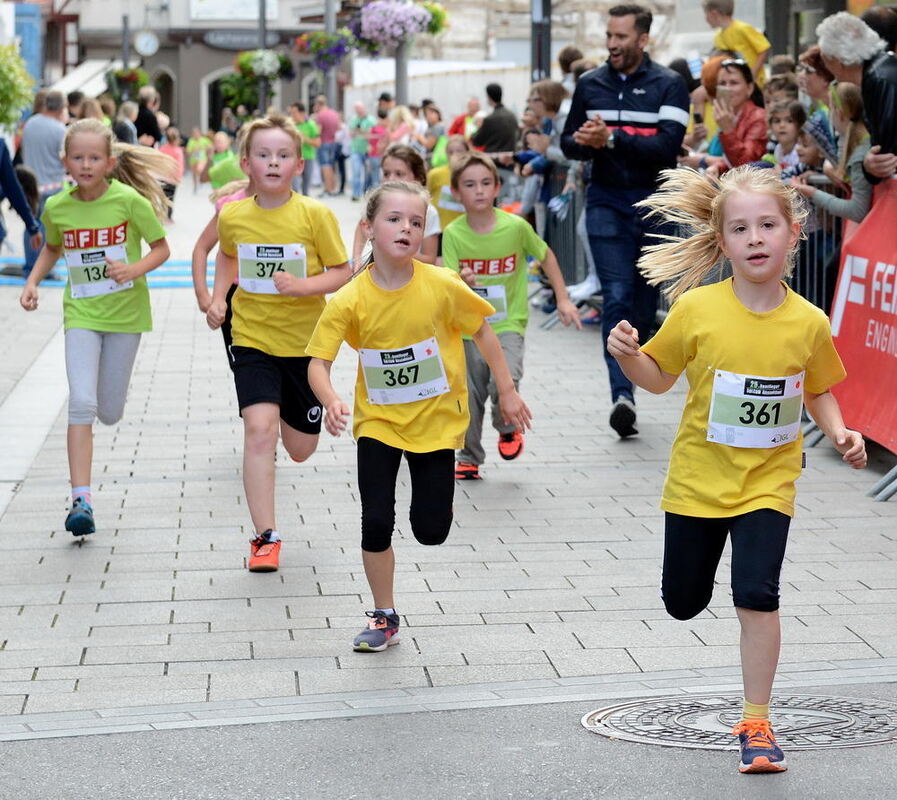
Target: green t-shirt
[[358, 129], [120, 217], [197, 149], [498, 258], [225, 168], [310, 130]]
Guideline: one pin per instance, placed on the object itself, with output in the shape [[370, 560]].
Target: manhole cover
[[802, 722]]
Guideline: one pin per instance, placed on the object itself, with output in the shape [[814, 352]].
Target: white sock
[[387, 611], [273, 536], [82, 492]]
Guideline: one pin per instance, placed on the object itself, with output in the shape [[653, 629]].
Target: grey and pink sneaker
[[382, 632]]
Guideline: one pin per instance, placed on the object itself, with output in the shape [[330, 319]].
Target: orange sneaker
[[510, 445], [264, 555], [759, 750], [467, 472]]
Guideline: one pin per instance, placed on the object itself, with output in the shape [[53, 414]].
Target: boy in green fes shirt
[[489, 248], [311, 141]]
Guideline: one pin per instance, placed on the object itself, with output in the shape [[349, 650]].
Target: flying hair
[[697, 205], [137, 166]]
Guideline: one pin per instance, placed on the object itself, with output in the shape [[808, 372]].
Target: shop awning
[[89, 76]]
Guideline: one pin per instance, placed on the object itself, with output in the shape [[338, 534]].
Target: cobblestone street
[[546, 591]]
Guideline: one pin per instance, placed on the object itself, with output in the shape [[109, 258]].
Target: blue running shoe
[[80, 518], [759, 751], [382, 632]]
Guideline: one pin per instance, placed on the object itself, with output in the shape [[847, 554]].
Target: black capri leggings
[[432, 493], [693, 547]]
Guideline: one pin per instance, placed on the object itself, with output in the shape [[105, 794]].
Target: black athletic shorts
[[263, 378]]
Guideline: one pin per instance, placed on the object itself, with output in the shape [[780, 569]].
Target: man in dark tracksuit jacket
[[628, 117]]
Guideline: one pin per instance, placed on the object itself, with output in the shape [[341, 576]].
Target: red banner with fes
[[864, 321]]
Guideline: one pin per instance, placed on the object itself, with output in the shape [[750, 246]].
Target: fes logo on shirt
[[491, 266], [83, 238]]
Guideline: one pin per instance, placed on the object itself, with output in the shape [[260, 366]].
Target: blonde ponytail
[[685, 198], [142, 168], [696, 204]]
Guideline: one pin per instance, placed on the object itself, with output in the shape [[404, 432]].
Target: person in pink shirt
[[172, 147], [329, 122]]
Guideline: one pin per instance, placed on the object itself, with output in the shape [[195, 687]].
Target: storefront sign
[[238, 39]]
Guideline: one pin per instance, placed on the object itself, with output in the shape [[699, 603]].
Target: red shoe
[[467, 472], [510, 445], [264, 556]]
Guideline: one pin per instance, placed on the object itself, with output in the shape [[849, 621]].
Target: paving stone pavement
[[547, 589]]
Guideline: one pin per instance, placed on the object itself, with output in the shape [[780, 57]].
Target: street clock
[[146, 43]]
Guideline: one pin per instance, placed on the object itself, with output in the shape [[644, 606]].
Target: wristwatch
[[609, 144]]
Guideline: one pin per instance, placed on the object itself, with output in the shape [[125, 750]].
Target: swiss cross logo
[[428, 351], [490, 266], [85, 238]]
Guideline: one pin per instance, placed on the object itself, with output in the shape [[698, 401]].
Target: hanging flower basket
[[134, 77], [264, 64], [438, 17], [384, 24], [327, 50], [125, 82]]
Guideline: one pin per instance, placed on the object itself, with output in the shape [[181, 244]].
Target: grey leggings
[[99, 367]]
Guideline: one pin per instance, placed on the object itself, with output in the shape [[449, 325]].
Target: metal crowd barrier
[[561, 234]]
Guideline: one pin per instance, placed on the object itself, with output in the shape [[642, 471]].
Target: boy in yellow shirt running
[[288, 254]]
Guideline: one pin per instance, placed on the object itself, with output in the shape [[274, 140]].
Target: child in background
[[489, 248], [401, 162], [816, 272], [311, 141], [785, 122], [405, 318], [847, 120], [98, 225], [288, 254], [753, 352], [780, 89], [223, 166], [173, 148], [197, 154], [379, 138], [439, 183], [737, 36]]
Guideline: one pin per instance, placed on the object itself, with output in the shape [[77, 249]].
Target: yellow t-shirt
[[439, 185], [434, 303], [709, 329], [274, 323], [746, 40]]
